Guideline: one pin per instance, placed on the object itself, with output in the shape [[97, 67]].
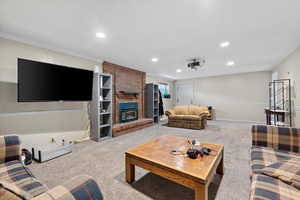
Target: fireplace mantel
[[129, 92]]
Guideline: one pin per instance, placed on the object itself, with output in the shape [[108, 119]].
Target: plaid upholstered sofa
[[193, 117], [274, 149], [17, 182]]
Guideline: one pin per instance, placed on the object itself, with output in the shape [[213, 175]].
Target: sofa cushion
[[185, 117], [6, 194], [268, 188], [288, 171], [197, 110], [78, 188], [15, 190], [15, 173], [263, 156], [262, 136], [286, 139], [181, 110]]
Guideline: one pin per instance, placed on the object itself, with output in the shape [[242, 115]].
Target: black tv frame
[[24, 101]]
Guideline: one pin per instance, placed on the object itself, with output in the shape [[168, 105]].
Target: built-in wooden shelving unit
[[152, 102], [101, 107]]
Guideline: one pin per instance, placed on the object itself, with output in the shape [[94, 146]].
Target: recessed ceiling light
[[178, 70], [154, 59], [100, 35], [224, 44], [230, 63]]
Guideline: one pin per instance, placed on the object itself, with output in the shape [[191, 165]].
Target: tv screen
[[39, 81]]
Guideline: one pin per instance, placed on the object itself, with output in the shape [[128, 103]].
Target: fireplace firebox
[[128, 111]]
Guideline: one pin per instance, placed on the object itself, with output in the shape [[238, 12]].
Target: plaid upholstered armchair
[[17, 183], [275, 156]]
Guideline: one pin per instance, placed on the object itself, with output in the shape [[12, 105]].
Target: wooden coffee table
[[156, 156]]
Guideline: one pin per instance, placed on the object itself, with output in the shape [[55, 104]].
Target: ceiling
[[261, 32]]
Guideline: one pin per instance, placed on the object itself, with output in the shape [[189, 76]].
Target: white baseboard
[[241, 121], [38, 112]]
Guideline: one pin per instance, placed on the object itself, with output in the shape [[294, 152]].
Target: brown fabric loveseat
[[193, 117]]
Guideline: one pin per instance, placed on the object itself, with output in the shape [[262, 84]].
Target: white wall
[[168, 103], [239, 97], [44, 119], [289, 68]]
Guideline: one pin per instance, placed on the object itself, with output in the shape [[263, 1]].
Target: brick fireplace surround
[[126, 79]]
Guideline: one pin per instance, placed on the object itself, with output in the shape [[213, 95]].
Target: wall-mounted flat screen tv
[[38, 81]]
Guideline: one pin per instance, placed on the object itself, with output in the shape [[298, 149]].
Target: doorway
[[184, 94]]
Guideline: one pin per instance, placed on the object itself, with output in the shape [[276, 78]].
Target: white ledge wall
[[238, 97], [47, 119], [290, 68]]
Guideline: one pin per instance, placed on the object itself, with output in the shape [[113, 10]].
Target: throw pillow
[[287, 171]]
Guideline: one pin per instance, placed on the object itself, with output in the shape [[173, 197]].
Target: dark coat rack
[[280, 104]]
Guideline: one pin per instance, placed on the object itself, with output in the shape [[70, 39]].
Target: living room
[[149, 100]]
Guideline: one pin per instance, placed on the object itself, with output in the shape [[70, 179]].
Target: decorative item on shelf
[[100, 98]]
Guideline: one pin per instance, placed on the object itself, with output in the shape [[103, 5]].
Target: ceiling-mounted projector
[[195, 63]]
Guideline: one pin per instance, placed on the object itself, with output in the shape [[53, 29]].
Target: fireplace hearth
[[128, 111]]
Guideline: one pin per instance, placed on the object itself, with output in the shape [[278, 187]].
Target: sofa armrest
[[9, 148], [79, 188], [278, 138], [262, 136], [286, 139], [170, 113], [204, 114]]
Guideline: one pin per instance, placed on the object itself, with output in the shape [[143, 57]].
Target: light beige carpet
[[105, 162]]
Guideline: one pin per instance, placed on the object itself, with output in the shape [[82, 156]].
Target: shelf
[[101, 107], [104, 125], [105, 113]]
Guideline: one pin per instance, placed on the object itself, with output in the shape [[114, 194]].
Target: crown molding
[[48, 47], [162, 76]]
